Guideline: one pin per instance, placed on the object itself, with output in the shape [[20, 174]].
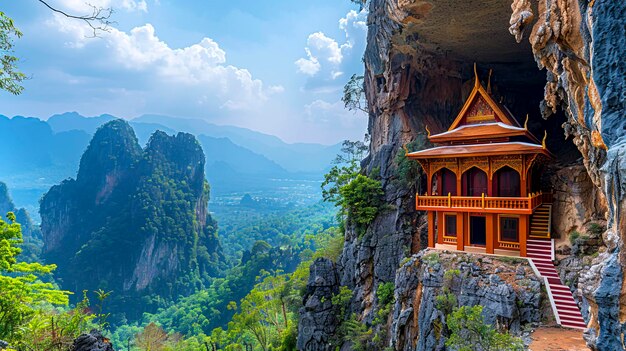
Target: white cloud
[[309, 66], [199, 70], [326, 59]]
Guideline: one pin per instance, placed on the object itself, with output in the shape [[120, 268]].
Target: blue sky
[[273, 66]]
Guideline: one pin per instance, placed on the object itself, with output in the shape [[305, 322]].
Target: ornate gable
[[481, 108]]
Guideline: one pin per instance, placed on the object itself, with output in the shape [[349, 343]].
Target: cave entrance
[[478, 230]]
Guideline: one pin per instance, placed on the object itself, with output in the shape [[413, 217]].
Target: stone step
[[569, 308], [547, 242], [561, 287], [563, 297], [573, 325], [571, 316], [538, 249]]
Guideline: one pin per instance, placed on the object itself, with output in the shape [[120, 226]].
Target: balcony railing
[[520, 205]]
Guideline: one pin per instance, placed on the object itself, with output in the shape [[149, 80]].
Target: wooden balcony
[[517, 205]]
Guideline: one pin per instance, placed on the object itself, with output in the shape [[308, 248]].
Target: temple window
[[474, 182], [450, 225], [448, 180], [509, 229], [506, 183]]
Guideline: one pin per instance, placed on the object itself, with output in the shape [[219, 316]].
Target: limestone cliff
[[134, 221], [559, 61]]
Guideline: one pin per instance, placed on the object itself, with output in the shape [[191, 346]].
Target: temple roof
[[483, 127], [481, 131], [491, 149]]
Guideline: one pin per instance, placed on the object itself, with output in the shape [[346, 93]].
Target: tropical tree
[[471, 333], [152, 338], [354, 91], [346, 167], [10, 76], [22, 290]]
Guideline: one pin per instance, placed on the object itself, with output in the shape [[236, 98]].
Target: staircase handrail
[[548, 290]]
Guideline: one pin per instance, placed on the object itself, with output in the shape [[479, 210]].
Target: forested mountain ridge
[[230, 167], [134, 221], [31, 234]]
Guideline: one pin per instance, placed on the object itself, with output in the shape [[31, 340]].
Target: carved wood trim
[[481, 163], [515, 162], [449, 163], [529, 163]]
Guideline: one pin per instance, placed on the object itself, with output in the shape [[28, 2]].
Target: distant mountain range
[[295, 158], [38, 153]]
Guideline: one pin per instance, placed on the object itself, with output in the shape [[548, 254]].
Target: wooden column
[[431, 229], [459, 183], [466, 228], [489, 181], [491, 235], [460, 237], [439, 227], [523, 234], [523, 189]]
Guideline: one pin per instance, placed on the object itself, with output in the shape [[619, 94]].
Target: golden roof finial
[[476, 82], [489, 81], [406, 150], [545, 136], [427, 130], [526, 122]]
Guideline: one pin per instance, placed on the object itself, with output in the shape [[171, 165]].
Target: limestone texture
[[559, 61]]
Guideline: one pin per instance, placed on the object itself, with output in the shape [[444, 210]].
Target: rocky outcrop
[[418, 69], [577, 201], [94, 341], [581, 45], [508, 290], [134, 221], [318, 321]]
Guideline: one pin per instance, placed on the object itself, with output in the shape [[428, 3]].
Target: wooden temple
[[481, 195]]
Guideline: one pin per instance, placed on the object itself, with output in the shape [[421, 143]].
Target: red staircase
[[540, 252]]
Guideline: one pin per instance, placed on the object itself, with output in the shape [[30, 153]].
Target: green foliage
[[595, 229], [10, 77], [431, 258], [470, 333], [446, 302], [341, 301], [451, 274], [21, 287], [240, 228], [408, 171], [353, 331], [101, 316], [362, 200], [384, 293], [329, 243], [55, 329], [573, 236], [354, 91], [346, 167]]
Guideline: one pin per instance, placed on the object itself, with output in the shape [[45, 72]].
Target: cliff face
[[133, 221], [418, 70]]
